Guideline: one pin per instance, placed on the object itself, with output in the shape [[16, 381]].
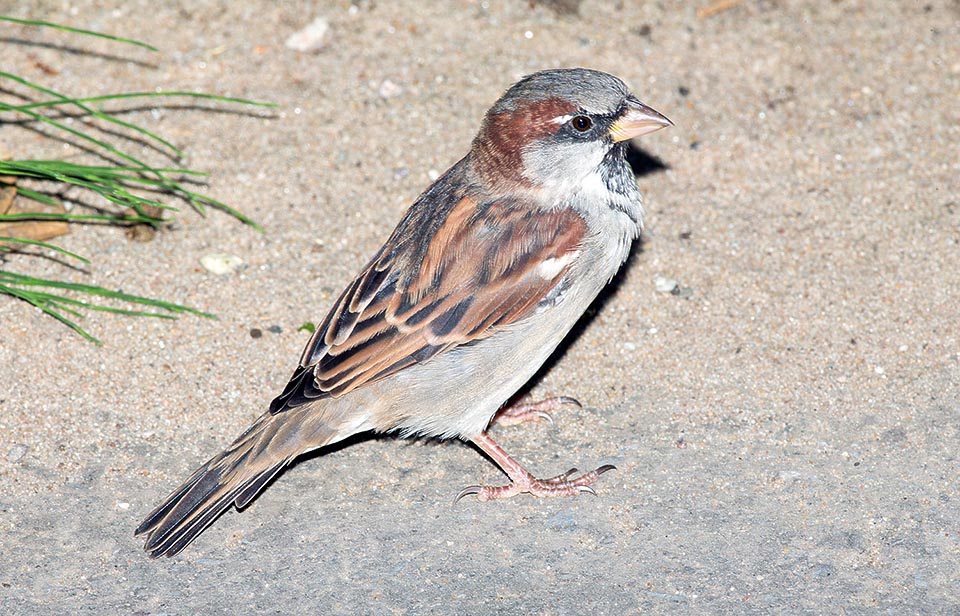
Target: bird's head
[[551, 130]]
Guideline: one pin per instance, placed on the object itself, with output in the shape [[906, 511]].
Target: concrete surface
[[786, 435]]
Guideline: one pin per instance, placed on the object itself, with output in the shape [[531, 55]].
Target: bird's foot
[[535, 411], [522, 481], [561, 485]]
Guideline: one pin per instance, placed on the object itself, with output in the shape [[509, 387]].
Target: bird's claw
[[466, 492], [603, 469], [522, 413], [569, 401], [546, 417], [561, 485]]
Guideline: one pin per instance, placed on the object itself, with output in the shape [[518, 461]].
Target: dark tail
[[232, 477]]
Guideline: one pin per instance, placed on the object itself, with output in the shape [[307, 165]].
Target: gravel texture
[[785, 421]]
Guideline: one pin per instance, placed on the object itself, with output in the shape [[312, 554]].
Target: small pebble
[[275, 329], [256, 332], [220, 263], [664, 284], [388, 89], [309, 38]]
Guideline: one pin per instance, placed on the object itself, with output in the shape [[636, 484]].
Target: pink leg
[[522, 413], [522, 481]]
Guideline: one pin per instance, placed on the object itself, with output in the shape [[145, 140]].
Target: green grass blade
[[62, 301], [98, 114], [21, 240], [36, 196], [67, 173], [47, 24], [127, 95], [122, 197], [115, 183], [96, 180], [12, 278], [30, 299], [133, 220], [81, 103], [11, 167], [225, 208]]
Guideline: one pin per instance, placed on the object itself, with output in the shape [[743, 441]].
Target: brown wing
[[434, 287]]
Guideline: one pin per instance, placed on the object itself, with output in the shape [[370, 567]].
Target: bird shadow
[[76, 51], [642, 162]]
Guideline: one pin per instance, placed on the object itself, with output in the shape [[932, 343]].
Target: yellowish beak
[[637, 119]]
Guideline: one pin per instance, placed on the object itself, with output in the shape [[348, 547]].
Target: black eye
[[582, 123]]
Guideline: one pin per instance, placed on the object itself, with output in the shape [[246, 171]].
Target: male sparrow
[[481, 280]]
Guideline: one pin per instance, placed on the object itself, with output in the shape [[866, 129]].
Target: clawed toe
[[522, 481], [522, 413], [568, 401], [561, 485], [467, 491], [603, 469]]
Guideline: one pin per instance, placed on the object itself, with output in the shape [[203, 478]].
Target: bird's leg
[[522, 481], [522, 413]]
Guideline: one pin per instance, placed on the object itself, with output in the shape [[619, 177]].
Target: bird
[[483, 277]]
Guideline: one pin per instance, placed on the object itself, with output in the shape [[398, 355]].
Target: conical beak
[[637, 119]]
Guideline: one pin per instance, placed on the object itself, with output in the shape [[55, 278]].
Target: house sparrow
[[478, 284]]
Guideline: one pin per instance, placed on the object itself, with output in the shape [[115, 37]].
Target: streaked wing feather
[[473, 274]]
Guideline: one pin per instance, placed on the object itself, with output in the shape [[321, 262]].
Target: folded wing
[[481, 267]]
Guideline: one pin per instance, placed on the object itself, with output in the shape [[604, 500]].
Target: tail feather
[[163, 509], [235, 476], [198, 507], [201, 500], [256, 485]]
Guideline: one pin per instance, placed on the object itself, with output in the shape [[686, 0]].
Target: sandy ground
[[785, 430]]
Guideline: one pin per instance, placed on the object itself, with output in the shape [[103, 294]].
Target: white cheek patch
[[549, 269]]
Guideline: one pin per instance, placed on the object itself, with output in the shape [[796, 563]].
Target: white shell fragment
[[309, 38], [220, 263], [664, 284]]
